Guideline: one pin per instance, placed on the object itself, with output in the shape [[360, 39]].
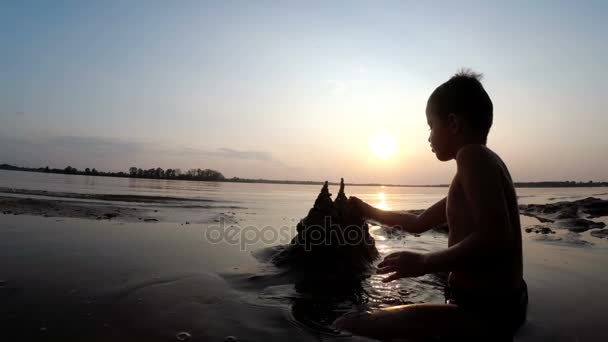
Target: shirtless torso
[[500, 270]]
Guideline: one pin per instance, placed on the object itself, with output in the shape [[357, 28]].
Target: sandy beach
[[71, 272]]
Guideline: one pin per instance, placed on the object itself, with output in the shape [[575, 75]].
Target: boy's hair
[[464, 96]]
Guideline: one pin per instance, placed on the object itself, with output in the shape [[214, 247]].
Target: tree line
[[192, 174], [134, 172]]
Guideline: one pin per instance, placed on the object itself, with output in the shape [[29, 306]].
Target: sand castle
[[332, 237]]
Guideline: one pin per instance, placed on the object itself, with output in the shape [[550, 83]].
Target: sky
[[296, 90]]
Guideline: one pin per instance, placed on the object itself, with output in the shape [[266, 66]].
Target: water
[[262, 196], [135, 280]]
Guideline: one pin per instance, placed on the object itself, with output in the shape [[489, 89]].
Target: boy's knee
[[351, 322], [344, 323]]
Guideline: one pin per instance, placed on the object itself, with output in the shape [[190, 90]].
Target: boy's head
[[458, 112]]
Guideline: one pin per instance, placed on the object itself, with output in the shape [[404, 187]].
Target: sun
[[383, 146]]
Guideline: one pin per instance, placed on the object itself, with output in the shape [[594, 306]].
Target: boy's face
[[440, 136]]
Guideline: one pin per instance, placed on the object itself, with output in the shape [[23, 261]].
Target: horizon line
[[122, 174]]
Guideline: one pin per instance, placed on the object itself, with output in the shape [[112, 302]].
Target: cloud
[[255, 155], [229, 153], [115, 154], [76, 151], [94, 143]]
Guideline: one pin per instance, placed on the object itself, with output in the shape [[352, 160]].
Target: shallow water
[[81, 279]]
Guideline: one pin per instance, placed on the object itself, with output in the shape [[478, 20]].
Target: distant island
[[216, 176]]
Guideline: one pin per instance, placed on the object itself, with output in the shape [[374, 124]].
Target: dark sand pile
[[104, 197], [331, 237], [124, 208], [73, 209], [574, 216]]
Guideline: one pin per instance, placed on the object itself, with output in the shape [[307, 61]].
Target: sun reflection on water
[[382, 204], [428, 288], [375, 231]]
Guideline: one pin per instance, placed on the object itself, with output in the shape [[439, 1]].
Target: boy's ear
[[454, 123]]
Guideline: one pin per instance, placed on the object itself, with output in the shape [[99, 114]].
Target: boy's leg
[[414, 322]]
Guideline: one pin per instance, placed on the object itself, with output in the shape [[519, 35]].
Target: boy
[[486, 296]]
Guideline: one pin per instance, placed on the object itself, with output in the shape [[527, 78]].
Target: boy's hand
[[361, 207], [403, 264]]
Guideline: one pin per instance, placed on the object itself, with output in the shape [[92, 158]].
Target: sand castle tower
[[331, 238]]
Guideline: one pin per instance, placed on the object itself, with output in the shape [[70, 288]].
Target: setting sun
[[383, 146]]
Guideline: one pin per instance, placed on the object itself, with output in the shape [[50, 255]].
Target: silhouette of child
[[486, 296]]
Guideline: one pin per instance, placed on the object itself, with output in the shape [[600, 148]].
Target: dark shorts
[[504, 311]]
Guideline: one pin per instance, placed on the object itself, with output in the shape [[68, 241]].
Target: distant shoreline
[[94, 173]]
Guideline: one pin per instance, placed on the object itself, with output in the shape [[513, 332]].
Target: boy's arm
[[412, 223], [483, 188]]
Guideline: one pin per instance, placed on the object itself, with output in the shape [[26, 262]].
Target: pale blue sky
[[294, 90]]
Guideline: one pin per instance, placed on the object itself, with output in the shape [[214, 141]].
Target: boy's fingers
[[387, 269], [389, 260], [392, 277], [386, 262], [392, 255]]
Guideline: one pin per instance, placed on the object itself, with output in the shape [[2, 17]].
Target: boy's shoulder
[[475, 154], [475, 160]]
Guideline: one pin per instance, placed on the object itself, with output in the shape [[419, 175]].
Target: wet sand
[[567, 288], [103, 197], [73, 209], [120, 208], [92, 280]]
